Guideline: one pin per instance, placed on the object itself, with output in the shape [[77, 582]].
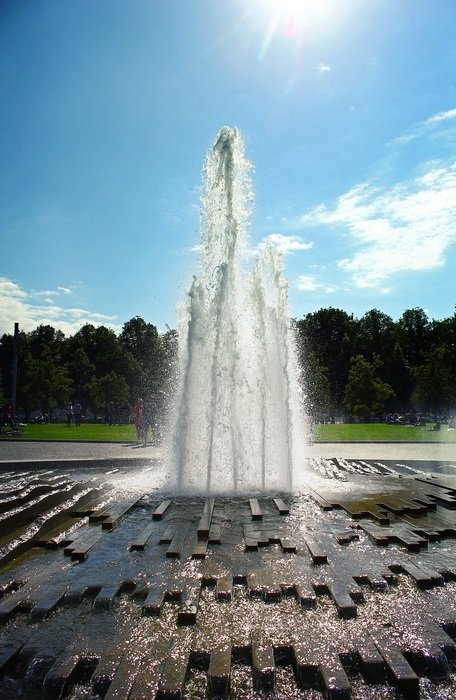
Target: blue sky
[[108, 107]]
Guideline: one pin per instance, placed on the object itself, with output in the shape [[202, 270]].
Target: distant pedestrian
[[69, 413], [110, 411], [77, 412], [138, 409], [8, 417], [147, 421]]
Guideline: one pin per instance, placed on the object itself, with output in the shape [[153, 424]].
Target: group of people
[[147, 415], [73, 413]]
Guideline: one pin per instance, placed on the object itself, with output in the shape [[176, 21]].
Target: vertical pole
[[15, 362]]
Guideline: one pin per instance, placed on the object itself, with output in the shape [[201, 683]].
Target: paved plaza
[[113, 586], [99, 452]]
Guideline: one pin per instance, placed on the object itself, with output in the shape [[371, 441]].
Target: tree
[[413, 330], [365, 393], [169, 344], [316, 389], [330, 334], [101, 347], [151, 353], [103, 390], [435, 382], [81, 372], [44, 380]]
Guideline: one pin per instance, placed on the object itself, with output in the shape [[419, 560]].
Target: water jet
[[239, 422]]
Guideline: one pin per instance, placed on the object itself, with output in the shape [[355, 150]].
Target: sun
[[293, 12], [291, 20]]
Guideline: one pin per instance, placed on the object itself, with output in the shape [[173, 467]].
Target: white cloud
[[309, 283], [442, 116], [324, 68], [285, 244], [17, 306], [424, 128], [407, 227]]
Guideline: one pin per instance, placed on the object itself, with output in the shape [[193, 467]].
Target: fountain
[[111, 587], [238, 425]]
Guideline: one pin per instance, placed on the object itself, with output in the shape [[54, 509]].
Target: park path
[[29, 451]]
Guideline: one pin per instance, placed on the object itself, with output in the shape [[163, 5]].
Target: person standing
[[138, 409], [77, 411], [8, 418], [69, 413]]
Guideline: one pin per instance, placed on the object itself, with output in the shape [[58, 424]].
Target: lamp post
[[15, 361]]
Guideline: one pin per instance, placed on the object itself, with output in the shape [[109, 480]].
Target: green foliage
[[94, 366], [316, 388], [417, 369], [44, 379], [330, 335], [435, 381], [107, 389], [365, 393]]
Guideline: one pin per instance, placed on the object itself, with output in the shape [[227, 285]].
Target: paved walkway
[[27, 452]]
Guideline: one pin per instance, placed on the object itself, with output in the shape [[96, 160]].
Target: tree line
[[357, 367], [372, 365], [95, 366]]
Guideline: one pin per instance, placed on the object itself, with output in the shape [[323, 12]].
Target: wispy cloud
[[442, 117], [285, 244], [309, 283], [18, 306], [324, 68], [424, 128], [399, 227], [409, 226]]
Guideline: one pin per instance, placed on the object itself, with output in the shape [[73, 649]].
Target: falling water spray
[[238, 423]]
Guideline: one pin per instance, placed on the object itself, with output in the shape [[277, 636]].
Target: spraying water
[[238, 421]]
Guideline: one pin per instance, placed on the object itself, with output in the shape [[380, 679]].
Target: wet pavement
[[112, 586], [100, 452]]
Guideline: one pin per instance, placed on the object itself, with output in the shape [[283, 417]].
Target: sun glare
[[294, 13], [291, 19]]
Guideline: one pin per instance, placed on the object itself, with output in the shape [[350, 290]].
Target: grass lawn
[[357, 432], [378, 431], [88, 431]]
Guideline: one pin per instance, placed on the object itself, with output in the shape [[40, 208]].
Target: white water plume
[[238, 423]]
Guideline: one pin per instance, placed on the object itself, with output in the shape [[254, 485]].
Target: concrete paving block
[[335, 682], [371, 662], [189, 604], [160, 511], [399, 671], [206, 518], [173, 675], [46, 605], [255, 510], [153, 602], [9, 652], [263, 665], [105, 598], [281, 506], [316, 550], [11, 606], [123, 680], [219, 672], [104, 672], [344, 603], [59, 676], [140, 541], [224, 588], [306, 664]]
